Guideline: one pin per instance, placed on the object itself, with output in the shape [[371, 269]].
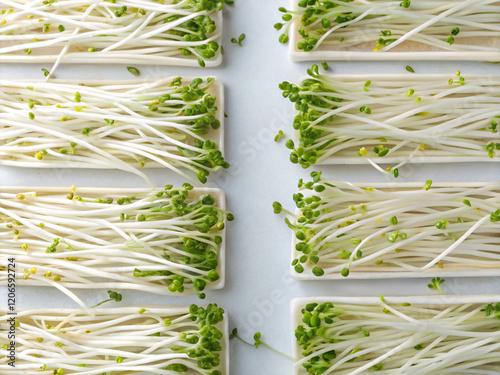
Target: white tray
[[298, 303], [220, 201], [426, 156], [224, 326], [463, 272], [215, 135], [110, 58], [408, 54]]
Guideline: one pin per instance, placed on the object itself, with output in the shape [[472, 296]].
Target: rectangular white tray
[[215, 135], [110, 58], [464, 272], [224, 326], [220, 201], [298, 303], [334, 55], [427, 156]]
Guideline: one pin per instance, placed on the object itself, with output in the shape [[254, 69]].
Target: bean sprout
[[158, 241], [343, 229], [163, 123], [394, 119], [128, 340]]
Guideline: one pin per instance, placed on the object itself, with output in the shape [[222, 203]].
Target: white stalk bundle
[[394, 119], [417, 336], [343, 229], [126, 340], [128, 125], [169, 32], [157, 241], [385, 29]]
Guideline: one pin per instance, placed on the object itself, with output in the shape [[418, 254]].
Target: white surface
[[258, 285]]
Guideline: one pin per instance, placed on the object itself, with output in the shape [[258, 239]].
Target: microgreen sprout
[[113, 296], [352, 25], [238, 41], [159, 32], [410, 69], [160, 241], [364, 120], [121, 340], [168, 123], [404, 338], [436, 284], [341, 229]]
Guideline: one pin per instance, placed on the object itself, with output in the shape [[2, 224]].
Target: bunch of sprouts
[[342, 228], [165, 123], [394, 120], [159, 241], [393, 26], [186, 32], [128, 340], [394, 339]]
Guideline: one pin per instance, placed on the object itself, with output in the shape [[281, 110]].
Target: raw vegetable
[[168, 123], [342, 228], [149, 340], [159, 241], [184, 32], [381, 25], [404, 338], [394, 120]]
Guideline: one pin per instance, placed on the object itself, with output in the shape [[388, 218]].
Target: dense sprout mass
[[98, 31], [131, 340], [407, 338], [343, 229], [381, 120], [393, 26], [168, 123], [161, 241]]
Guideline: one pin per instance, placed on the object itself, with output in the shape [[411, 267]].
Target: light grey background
[[258, 289]]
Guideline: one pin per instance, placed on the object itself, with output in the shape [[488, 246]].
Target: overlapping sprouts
[[166, 123], [383, 119], [394, 26], [160, 241], [390, 339], [342, 228], [128, 340], [186, 32]]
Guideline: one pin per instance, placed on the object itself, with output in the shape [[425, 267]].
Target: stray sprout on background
[[97, 31], [165, 123], [161, 241], [188, 340], [239, 41], [351, 339], [345, 119], [341, 228], [381, 25], [257, 342], [436, 284], [113, 296]]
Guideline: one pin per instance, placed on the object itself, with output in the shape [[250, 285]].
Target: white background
[[258, 289]]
